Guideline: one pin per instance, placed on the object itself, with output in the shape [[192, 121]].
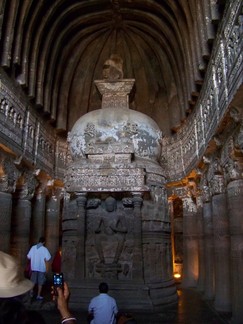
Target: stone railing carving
[[191, 141], [26, 134]]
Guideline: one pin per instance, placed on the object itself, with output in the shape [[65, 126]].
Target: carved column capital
[[26, 185], [215, 177], [206, 191], [41, 187], [218, 185], [238, 141], [8, 174], [189, 204], [54, 190], [234, 169], [188, 199]]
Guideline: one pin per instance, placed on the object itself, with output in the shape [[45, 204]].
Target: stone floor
[[191, 310]]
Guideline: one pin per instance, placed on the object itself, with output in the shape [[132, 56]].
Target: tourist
[[13, 286], [102, 308], [39, 257]]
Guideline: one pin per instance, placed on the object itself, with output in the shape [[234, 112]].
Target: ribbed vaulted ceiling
[[55, 49]]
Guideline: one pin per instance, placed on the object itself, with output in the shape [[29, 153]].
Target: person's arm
[[48, 265], [90, 315], [115, 309], [62, 299]]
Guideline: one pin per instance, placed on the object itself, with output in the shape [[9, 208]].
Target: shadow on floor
[[191, 309]]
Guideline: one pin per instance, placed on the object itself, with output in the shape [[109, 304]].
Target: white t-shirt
[[38, 254], [104, 309]]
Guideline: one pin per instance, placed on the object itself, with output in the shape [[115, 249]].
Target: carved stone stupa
[[116, 225]]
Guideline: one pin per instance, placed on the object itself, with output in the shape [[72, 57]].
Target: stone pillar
[[53, 217], [222, 300], [5, 220], [190, 243], [201, 243], [22, 215], [69, 237], [176, 216], [8, 177], [235, 207], [137, 269], [171, 213], [5, 216], [81, 228], [38, 213], [209, 285]]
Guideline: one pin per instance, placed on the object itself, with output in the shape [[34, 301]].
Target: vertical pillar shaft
[[38, 217], [201, 254], [222, 299], [137, 269], [190, 244], [21, 229], [53, 224], [235, 207], [5, 220], [208, 251], [69, 237], [81, 227]]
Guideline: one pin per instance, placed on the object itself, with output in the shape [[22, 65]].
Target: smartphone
[[57, 281]]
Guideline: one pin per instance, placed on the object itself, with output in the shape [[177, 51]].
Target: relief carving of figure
[[111, 232]]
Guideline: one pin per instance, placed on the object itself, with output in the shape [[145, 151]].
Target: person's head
[[103, 288], [12, 280], [42, 240]]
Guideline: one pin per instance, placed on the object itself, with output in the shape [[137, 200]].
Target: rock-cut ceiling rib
[[56, 49]]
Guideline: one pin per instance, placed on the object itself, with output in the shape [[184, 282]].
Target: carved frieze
[[102, 179], [109, 148]]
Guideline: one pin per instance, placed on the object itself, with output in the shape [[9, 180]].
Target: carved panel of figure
[[107, 229]]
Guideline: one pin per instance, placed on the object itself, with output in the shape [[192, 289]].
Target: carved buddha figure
[[110, 233]]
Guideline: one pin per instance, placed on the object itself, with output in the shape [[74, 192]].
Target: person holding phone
[[61, 294]]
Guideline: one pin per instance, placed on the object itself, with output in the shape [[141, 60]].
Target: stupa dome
[[114, 148], [114, 127]]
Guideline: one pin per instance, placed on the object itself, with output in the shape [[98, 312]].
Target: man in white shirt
[[103, 308], [39, 256]]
